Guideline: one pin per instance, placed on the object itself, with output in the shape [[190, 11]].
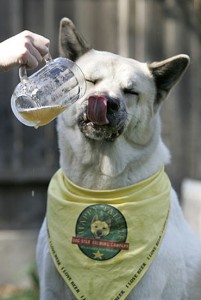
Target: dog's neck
[[110, 165]]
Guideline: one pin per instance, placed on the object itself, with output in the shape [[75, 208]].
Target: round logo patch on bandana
[[101, 232]]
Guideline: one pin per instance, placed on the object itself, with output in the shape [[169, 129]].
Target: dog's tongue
[[97, 110]]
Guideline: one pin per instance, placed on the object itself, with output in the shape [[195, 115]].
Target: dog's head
[[121, 103], [100, 228]]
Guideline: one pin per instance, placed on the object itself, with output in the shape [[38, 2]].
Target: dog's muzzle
[[103, 119]]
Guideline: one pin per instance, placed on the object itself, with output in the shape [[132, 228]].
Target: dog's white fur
[[94, 158]]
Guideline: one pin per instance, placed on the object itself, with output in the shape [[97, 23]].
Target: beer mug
[[41, 97]]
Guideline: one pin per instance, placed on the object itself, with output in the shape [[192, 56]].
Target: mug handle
[[48, 58], [23, 71], [23, 74]]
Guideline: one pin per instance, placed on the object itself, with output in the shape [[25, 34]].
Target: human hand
[[26, 48]]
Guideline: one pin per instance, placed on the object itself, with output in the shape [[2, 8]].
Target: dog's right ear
[[71, 44]]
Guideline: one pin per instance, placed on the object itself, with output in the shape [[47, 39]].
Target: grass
[[24, 295], [11, 292]]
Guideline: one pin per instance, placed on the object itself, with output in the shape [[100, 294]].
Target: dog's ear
[[95, 218], [71, 44], [167, 73], [109, 222]]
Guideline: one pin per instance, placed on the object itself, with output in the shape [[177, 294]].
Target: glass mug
[[41, 97]]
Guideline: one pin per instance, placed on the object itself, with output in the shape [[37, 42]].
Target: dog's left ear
[[167, 73], [71, 44]]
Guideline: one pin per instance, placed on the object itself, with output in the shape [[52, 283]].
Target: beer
[[42, 115]]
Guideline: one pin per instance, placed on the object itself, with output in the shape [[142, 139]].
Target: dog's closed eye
[[91, 81], [130, 91]]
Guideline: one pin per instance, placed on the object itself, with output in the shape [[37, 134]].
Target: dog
[[110, 139], [100, 228]]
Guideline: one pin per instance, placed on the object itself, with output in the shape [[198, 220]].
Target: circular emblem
[[101, 232]]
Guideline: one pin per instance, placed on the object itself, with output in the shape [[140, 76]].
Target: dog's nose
[[112, 105], [99, 232]]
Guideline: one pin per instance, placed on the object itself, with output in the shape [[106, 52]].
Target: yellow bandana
[[103, 242]]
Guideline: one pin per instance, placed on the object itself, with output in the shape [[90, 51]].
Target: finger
[[40, 43], [35, 53], [29, 61], [31, 57]]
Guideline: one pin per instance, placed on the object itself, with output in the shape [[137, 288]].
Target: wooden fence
[[143, 29]]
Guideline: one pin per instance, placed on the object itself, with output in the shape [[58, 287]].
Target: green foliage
[[28, 294], [25, 295]]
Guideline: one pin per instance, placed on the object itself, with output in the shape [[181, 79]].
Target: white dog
[[110, 146]]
